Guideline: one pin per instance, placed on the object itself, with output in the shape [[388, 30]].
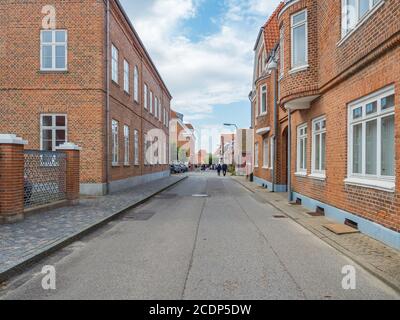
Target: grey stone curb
[[65, 241], [394, 284]]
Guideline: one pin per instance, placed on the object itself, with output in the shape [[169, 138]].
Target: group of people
[[223, 168]]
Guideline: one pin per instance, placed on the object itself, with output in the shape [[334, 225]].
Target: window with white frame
[[271, 153], [53, 50], [114, 64], [151, 102], [319, 146], [282, 51], [263, 100], [156, 107], [136, 148], [145, 146], [126, 76], [136, 84], [53, 131], [354, 11], [145, 96], [115, 143], [256, 155], [302, 137], [265, 153], [159, 111], [126, 145], [372, 136], [299, 39]]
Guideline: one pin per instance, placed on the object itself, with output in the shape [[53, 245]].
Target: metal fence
[[44, 177]]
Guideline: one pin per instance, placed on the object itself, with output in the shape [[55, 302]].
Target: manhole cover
[[166, 196], [200, 195], [139, 216], [279, 216]]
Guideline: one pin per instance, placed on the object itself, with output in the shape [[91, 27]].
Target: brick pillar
[[11, 178], [72, 182]]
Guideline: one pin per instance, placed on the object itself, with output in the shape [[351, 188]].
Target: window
[[136, 84], [282, 51], [126, 145], [114, 64], [156, 107], [271, 154], [319, 146], [126, 76], [266, 153], [354, 11], [159, 110], [53, 131], [151, 102], [256, 155], [302, 149], [136, 148], [263, 100], [115, 143], [167, 119], [53, 50], [145, 97], [299, 40], [372, 136]]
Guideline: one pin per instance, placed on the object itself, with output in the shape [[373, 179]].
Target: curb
[[61, 243], [361, 262]]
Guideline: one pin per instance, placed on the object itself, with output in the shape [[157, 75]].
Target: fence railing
[[44, 177]]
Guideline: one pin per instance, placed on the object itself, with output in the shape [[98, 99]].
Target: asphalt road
[[228, 245]]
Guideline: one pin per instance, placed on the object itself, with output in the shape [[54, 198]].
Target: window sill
[[301, 174], [266, 168], [317, 176], [299, 69], [115, 165], [49, 71], [360, 23], [383, 185], [262, 114]]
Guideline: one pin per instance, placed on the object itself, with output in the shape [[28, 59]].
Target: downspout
[[289, 178], [108, 100], [274, 155]]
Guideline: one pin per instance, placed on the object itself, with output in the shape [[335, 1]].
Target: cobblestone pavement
[[373, 255], [23, 240]]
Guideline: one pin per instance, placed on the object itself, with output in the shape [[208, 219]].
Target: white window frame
[[126, 145], [146, 96], [126, 76], [151, 101], [256, 154], [271, 153], [266, 154], [114, 63], [314, 172], [53, 45], [263, 89], [282, 51], [136, 84], [302, 136], [54, 128], [156, 107], [136, 148], [378, 181], [115, 142], [346, 29], [293, 26]]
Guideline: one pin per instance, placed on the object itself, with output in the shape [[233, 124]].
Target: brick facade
[[340, 70], [80, 93]]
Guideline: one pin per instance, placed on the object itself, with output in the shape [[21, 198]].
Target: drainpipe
[[108, 100], [275, 138], [289, 155]]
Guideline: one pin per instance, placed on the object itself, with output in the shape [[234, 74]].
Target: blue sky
[[204, 52]]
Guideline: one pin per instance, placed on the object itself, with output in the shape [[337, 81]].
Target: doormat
[[340, 229]]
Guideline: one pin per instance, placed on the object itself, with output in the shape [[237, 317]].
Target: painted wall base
[[372, 229], [100, 189], [268, 185]]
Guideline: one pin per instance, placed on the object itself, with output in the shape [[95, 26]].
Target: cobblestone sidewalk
[[38, 233], [374, 256]]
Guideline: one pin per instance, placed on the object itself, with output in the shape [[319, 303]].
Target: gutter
[[108, 98], [275, 151]]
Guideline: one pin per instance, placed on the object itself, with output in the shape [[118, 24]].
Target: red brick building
[[337, 93], [182, 140], [78, 71]]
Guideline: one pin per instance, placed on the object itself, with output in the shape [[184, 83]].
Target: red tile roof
[[271, 29]]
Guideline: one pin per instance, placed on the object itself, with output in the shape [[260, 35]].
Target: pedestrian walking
[[219, 168], [224, 169]]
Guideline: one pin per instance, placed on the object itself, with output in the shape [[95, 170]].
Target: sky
[[203, 50]]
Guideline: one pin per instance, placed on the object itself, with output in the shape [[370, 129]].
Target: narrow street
[[181, 245]]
